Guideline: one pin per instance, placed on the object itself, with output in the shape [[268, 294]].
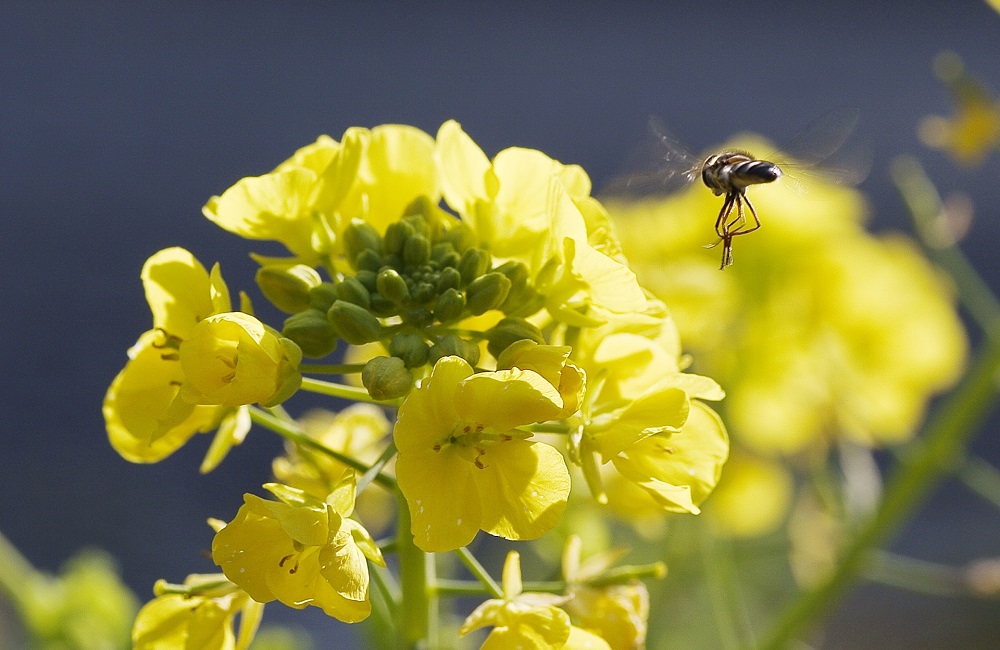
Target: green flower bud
[[473, 263], [448, 278], [287, 287], [452, 345], [351, 290], [360, 236], [443, 251], [487, 292], [516, 272], [396, 235], [523, 302], [312, 332], [508, 331], [411, 348], [386, 378], [416, 251], [367, 279], [418, 317], [367, 260], [424, 292], [354, 324], [392, 286], [449, 306], [323, 296], [461, 237], [383, 306]]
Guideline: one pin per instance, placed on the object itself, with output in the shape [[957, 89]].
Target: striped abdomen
[[733, 171]]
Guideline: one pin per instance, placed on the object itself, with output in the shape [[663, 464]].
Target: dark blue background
[[118, 121]]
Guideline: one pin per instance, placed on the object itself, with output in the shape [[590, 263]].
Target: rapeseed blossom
[[819, 331], [498, 318]]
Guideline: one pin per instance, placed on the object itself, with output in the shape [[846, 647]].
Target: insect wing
[[822, 150], [661, 165]]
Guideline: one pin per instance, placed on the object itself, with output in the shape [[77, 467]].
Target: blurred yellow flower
[[752, 497], [201, 619], [530, 621], [974, 130], [819, 329]]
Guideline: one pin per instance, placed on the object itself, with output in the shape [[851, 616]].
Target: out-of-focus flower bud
[[360, 237], [449, 306], [416, 251], [473, 263], [323, 296]]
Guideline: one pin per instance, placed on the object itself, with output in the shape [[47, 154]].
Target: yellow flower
[[647, 420], [233, 359], [528, 207], [551, 362], [752, 498], [300, 550], [529, 621], [358, 431], [974, 131], [145, 419], [202, 619], [464, 467], [307, 201], [618, 614], [819, 328]]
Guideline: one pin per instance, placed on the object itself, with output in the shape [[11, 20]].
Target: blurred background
[[119, 120]]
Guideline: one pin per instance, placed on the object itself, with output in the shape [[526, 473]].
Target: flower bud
[[416, 251], [323, 296], [396, 235], [361, 236], [367, 260], [448, 278], [354, 324], [473, 263], [382, 306], [424, 292], [386, 378], [392, 286], [444, 254], [367, 279], [487, 292], [409, 347], [449, 306], [508, 331], [452, 345], [233, 359], [461, 237], [418, 316], [312, 332], [351, 290], [287, 287]]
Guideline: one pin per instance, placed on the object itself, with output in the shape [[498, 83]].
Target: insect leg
[[740, 220], [721, 227], [756, 221]]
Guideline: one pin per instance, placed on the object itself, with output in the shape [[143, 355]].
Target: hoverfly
[[664, 165]]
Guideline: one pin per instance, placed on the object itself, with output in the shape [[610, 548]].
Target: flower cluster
[[497, 313], [820, 331]]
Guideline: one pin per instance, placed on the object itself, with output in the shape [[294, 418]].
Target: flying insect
[[665, 165]]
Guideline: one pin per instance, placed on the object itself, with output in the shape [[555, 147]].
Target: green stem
[[289, 430], [937, 452], [344, 391], [916, 575], [925, 207], [417, 621], [982, 478], [479, 571]]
